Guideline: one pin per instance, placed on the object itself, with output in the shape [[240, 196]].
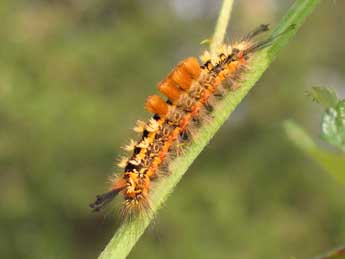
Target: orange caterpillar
[[192, 91]]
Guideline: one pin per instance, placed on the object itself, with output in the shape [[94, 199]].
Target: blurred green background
[[73, 78]]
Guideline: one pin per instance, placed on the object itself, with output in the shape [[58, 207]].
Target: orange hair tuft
[[192, 65], [157, 105], [168, 88]]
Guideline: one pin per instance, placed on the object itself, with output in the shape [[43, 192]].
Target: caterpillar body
[[192, 90]]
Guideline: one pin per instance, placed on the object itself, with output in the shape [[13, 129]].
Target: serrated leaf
[[333, 125], [324, 96]]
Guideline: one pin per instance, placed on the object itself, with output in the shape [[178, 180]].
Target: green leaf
[[333, 125], [334, 164], [324, 96], [129, 232], [333, 120]]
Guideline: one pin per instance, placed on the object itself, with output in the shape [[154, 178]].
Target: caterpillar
[[192, 90]]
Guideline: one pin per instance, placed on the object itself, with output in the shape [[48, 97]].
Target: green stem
[[129, 232], [222, 24], [332, 163]]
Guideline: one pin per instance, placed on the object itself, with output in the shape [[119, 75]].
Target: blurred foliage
[[333, 132], [337, 253], [73, 77], [333, 119], [327, 97], [333, 125], [333, 163]]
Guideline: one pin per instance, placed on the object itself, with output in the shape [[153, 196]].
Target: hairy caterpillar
[[192, 91]]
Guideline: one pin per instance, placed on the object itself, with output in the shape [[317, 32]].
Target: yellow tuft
[[206, 56], [123, 162], [140, 126], [130, 147], [153, 126], [134, 161], [241, 45], [144, 143], [223, 49]]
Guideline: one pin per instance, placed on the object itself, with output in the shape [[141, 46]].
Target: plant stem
[[222, 24], [129, 232], [332, 163]]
